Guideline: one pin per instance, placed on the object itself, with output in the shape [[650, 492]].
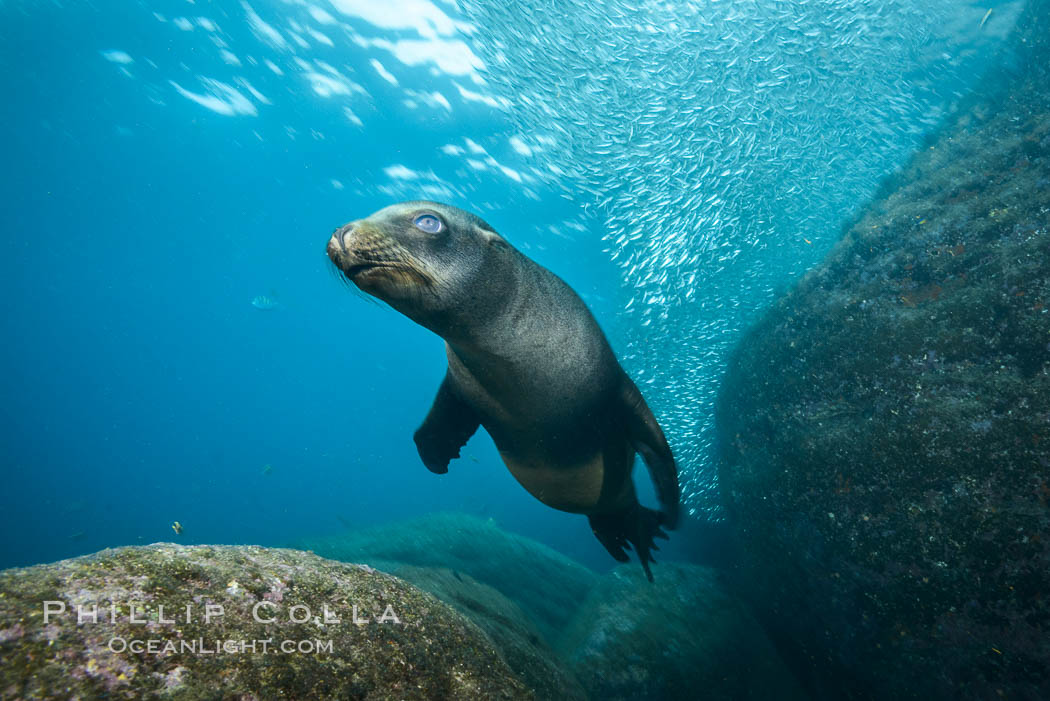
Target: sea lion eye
[[428, 223]]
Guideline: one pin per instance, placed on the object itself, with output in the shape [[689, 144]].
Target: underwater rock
[[682, 637], [512, 633], [885, 428], [430, 652], [547, 585]]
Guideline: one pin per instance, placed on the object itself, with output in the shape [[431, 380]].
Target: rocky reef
[[120, 644], [885, 428], [510, 629], [82, 628], [569, 633], [682, 637], [547, 585]]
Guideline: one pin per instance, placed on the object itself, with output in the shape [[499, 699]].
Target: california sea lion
[[526, 360]]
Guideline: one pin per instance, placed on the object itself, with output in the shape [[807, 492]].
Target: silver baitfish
[[265, 303]]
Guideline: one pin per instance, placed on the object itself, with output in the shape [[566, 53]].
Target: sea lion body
[[548, 412], [526, 360]]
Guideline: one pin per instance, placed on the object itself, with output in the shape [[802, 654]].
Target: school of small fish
[[721, 146], [718, 145]]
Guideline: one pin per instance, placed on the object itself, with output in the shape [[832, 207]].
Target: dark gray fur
[[526, 360]]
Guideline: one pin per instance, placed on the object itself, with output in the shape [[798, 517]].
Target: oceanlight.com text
[[202, 646]]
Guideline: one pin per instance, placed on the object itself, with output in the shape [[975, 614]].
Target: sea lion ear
[[492, 238]]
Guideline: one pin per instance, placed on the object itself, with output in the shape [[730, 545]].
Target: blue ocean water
[[177, 346]]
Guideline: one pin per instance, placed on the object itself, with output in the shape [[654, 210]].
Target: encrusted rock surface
[[429, 652], [509, 628], [885, 428], [682, 637], [547, 585]]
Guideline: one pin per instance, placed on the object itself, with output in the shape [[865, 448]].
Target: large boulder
[[885, 428], [511, 631], [547, 585], [683, 636], [274, 600]]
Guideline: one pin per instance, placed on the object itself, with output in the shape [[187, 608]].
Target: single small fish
[[265, 303], [177, 527], [984, 20], [267, 469]]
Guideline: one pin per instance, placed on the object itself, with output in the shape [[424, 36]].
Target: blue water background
[[141, 386]]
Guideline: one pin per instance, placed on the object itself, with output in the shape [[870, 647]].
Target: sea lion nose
[[340, 238], [337, 244], [332, 250]]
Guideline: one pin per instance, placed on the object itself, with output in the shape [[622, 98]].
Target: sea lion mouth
[[348, 261], [359, 268], [366, 274], [373, 262]]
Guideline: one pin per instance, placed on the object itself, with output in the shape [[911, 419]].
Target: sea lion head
[[438, 265]]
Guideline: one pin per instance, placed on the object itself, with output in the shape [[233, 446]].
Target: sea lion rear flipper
[[636, 526], [648, 439], [449, 425]]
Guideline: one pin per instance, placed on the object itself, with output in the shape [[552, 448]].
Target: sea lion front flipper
[[449, 425], [648, 439]]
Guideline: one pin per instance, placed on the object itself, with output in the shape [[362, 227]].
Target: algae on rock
[[681, 637], [547, 585], [509, 628], [266, 595], [885, 428]]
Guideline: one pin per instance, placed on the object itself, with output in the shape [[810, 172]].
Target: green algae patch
[[203, 622]]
